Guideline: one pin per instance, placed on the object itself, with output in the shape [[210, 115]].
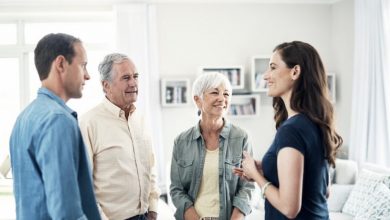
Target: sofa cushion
[[339, 216], [345, 172], [376, 168], [377, 206], [338, 195], [363, 189]]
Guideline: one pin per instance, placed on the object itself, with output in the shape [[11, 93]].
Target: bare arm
[[237, 214], [288, 197], [152, 215]]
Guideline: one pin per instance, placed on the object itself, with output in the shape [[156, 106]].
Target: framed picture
[[259, 66], [244, 106], [235, 74], [175, 92], [331, 81]]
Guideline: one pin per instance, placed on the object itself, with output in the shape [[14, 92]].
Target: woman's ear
[[295, 72], [197, 100]]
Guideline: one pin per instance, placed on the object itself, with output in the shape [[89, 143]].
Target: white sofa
[[348, 186]]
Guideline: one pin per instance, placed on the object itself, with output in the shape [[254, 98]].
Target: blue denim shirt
[[187, 167], [52, 179]]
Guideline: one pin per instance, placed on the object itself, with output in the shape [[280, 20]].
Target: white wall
[[193, 35], [342, 57]]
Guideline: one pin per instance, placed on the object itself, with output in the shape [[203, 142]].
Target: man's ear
[[59, 63], [106, 86], [295, 72]]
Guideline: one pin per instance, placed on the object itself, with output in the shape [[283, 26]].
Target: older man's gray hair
[[105, 67]]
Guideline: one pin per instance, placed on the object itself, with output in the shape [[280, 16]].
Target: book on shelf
[[242, 109], [176, 95], [260, 82], [169, 94], [235, 79], [233, 74]]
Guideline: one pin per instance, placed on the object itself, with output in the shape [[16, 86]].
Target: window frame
[[21, 49]]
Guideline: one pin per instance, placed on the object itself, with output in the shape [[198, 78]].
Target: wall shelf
[[235, 74], [244, 106], [175, 92]]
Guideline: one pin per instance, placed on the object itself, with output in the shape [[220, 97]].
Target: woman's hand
[[251, 168], [259, 167], [191, 214], [240, 172]]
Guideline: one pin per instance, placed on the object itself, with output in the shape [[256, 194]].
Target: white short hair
[[208, 81]]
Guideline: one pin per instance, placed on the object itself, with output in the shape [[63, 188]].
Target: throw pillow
[[363, 189], [338, 196], [377, 206]]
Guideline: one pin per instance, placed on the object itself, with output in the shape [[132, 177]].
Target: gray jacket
[[187, 166]]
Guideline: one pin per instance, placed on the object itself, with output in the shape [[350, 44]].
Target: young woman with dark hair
[[294, 173]]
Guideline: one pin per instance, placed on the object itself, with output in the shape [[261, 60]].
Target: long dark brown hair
[[309, 94]]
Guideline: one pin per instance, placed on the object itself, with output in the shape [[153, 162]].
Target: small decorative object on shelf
[[259, 66], [175, 92], [234, 73], [331, 80], [244, 106]]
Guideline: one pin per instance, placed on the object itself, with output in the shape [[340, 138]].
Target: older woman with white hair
[[202, 183]]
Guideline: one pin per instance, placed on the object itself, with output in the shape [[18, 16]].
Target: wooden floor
[[7, 203]]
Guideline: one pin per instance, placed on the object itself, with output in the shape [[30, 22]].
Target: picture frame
[[259, 65], [331, 82], [175, 92], [243, 106], [235, 74]]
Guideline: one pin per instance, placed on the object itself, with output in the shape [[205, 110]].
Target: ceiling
[[86, 2]]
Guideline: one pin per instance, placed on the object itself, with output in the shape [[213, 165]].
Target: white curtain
[[136, 36], [370, 116]]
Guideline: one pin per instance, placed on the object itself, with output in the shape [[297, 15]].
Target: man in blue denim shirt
[[52, 179]]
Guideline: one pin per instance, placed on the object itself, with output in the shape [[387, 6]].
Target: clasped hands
[[250, 168]]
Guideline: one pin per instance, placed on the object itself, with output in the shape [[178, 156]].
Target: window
[[8, 34], [17, 43], [89, 32], [10, 104]]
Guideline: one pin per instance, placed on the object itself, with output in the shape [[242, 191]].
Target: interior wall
[[342, 56], [194, 35]]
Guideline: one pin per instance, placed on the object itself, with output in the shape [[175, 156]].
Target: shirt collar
[[226, 129], [224, 132], [54, 97], [115, 110]]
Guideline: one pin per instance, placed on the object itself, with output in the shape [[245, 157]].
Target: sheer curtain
[[370, 118], [136, 36]]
